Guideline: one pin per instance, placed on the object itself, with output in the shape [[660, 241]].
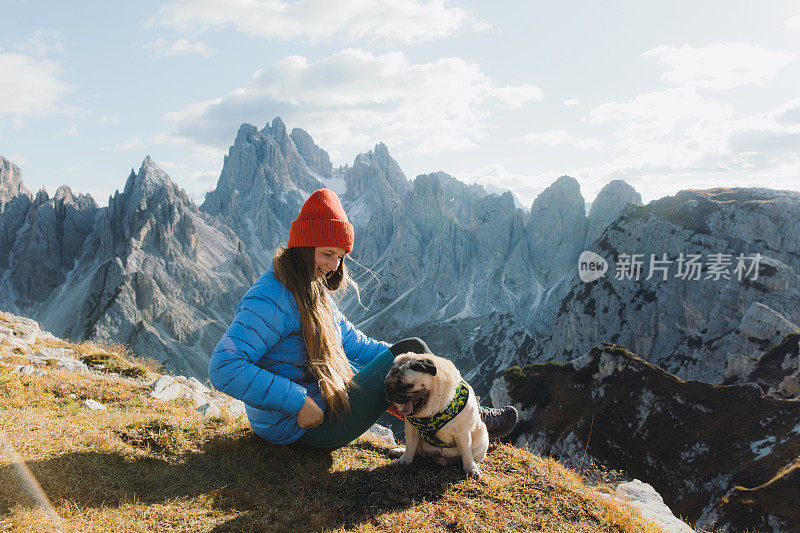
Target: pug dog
[[441, 413]]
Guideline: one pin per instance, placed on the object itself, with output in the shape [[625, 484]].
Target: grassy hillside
[[147, 465]]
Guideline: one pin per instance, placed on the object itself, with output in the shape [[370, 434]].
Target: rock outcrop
[[607, 206], [263, 184], [315, 157], [49, 243], [15, 202], [556, 229], [44, 351], [717, 454], [645, 498], [689, 322], [776, 370]]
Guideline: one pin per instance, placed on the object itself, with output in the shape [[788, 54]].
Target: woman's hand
[[310, 415]]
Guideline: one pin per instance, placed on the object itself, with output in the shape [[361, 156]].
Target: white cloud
[[398, 21], [495, 175], [41, 43], [572, 102], [656, 114], [514, 97], [720, 66], [678, 134], [793, 23], [758, 150], [354, 98], [196, 183], [163, 48], [561, 137], [29, 87], [788, 114]]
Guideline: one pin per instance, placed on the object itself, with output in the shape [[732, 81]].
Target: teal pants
[[367, 403]]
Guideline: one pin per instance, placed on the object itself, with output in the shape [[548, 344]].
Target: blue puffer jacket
[[261, 359]]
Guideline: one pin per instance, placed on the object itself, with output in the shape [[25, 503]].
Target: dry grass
[[145, 465], [15, 360], [117, 357]]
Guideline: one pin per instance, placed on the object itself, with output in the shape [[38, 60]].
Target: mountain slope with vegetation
[[142, 464], [723, 456]]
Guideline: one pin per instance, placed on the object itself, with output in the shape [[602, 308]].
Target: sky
[[664, 95]]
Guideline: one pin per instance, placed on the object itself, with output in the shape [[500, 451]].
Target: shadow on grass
[[262, 486]]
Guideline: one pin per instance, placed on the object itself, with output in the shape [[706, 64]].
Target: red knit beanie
[[322, 222]]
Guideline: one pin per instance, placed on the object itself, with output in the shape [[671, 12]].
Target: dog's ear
[[423, 365]]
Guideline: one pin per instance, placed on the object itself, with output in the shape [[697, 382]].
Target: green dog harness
[[429, 425]]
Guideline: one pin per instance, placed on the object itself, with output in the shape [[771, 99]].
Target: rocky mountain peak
[[65, 196], [15, 203], [277, 130], [264, 180], [41, 198], [564, 192], [616, 193], [610, 201], [149, 179], [376, 171], [245, 134], [556, 229], [151, 186], [381, 151], [63, 193], [316, 158], [266, 161], [11, 181]]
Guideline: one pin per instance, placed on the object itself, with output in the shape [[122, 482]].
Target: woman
[[307, 376]]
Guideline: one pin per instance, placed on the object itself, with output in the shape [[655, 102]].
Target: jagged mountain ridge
[[448, 255], [265, 178], [695, 328], [149, 270], [264, 181]]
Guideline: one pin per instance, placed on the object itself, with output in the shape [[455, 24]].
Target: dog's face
[[410, 381]]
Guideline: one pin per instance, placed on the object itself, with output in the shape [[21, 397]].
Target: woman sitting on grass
[[307, 376]]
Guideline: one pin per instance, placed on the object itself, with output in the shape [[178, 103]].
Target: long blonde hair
[[295, 267]]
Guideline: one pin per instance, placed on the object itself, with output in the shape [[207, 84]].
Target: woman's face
[[326, 259]]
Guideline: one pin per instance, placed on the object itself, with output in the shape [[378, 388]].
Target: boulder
[[383, 434], [27, 370], [209, 410], [650, 503], [161, 383], [93, 405], [168, 393], [236, 409], [196, 385], [71, 365]]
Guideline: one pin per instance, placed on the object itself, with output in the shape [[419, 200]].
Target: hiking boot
[[500, 421]]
